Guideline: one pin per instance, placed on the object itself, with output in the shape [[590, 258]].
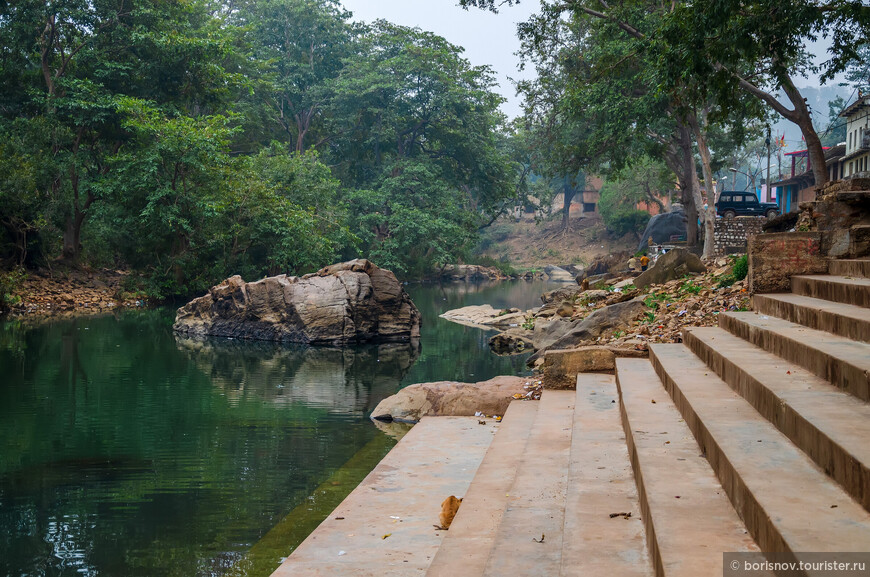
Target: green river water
[[127, 452]]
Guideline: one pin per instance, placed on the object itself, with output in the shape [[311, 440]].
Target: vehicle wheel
[[771, 213], [729, 214]]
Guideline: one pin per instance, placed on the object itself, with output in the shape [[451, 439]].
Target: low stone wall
[[732, 235], [775, 258]]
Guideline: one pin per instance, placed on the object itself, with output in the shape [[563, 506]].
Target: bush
[[9, 282], [741, 268]]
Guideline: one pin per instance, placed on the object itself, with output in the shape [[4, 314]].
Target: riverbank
[[73, 291]]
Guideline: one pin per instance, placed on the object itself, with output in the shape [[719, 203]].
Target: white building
[[857, 158]]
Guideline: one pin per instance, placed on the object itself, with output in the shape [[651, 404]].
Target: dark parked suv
[[737, 203]]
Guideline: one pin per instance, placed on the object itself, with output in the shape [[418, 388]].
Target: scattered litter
[[478, 414], [387, 535], [340, 553], [394, 517], [339, 518]]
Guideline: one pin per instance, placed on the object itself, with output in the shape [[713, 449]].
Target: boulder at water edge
[[349, 302], [450, 399]]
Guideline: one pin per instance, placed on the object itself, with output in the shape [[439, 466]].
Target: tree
[[641, 182], [421, 142], [302, 46]]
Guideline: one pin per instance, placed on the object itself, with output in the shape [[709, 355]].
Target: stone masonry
[[732, 235]]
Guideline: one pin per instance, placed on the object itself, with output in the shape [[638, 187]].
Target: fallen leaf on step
[[541, 541], [387, 535], [653, 401], [623, 515]]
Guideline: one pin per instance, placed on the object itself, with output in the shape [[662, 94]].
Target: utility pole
[[767, 181]]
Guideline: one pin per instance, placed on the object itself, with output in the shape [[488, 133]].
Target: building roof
[[862, 102], [804, 178], [805, 152]]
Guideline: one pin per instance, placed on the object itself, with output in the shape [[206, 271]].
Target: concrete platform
[[466, 546], [829, 425], [840, 319], [536, 505], [841, 289], [385, 526], [786, 501], [688, 517], [850, 267], [601, 483], [843, 362]]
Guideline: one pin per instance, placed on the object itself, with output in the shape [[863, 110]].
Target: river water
[[125, 451]]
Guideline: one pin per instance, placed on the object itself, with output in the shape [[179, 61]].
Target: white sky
[[487, 38]]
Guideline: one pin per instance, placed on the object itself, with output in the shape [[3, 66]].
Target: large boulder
[[674, 264], [665, 227], [558, 274], [613, 317], [450, 399], [348, 302]]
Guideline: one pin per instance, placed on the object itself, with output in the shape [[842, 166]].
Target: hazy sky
[[487, 38]]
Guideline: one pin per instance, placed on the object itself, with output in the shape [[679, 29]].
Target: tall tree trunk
[[72, 235], [690, 187], [570, 192], [800, 116], [699, 127]]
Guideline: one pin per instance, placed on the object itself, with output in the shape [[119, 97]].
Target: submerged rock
[[348, 302]]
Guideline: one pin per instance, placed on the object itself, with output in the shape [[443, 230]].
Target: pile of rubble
[[694, 300], [73, 292]]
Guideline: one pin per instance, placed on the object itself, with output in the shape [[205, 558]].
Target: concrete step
[[466, 546], [529, 539], [829, 425], [600, 483], [841, 289], [859, 267], [384, 527], [841, 319], [785, 500], [688, 518], [843, 362]]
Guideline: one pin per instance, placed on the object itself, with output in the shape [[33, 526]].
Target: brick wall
[[731, 235]]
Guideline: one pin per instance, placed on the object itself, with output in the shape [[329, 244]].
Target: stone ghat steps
[[841, 289], [385, 526], [850, 267], [840, 319], [826, 423], [688, 518], [466, 546], [839, 360], [786, 501]]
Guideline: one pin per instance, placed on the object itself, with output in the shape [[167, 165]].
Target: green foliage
[[739, 270], [641, 182], [690, 287], [9, 283], [529, 323], [193, 140], [741, 267]]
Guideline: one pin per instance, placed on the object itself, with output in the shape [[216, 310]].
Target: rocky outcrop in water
[[349, 302]]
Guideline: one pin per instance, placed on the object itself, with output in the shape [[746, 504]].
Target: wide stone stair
[[751, 436]]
